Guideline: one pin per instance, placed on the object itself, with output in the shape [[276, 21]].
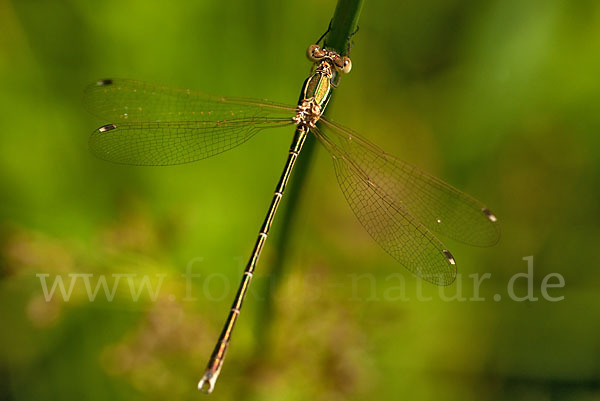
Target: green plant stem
[[343, 25]]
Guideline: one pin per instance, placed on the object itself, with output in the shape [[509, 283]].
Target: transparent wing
[[160, 125], [391, 226], [439, 207], [123, 100], [170, 143]]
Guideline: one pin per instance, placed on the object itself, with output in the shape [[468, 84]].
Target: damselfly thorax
[[317, 88]]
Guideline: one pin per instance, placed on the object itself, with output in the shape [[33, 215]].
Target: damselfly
[[402, 207]]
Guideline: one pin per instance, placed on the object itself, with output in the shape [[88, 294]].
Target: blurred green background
[[500, 98]]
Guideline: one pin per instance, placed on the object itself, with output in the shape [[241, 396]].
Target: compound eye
[[314, 53], [338, 62], [347, 65]]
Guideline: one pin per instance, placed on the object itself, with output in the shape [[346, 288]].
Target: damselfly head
[[315, 53]]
